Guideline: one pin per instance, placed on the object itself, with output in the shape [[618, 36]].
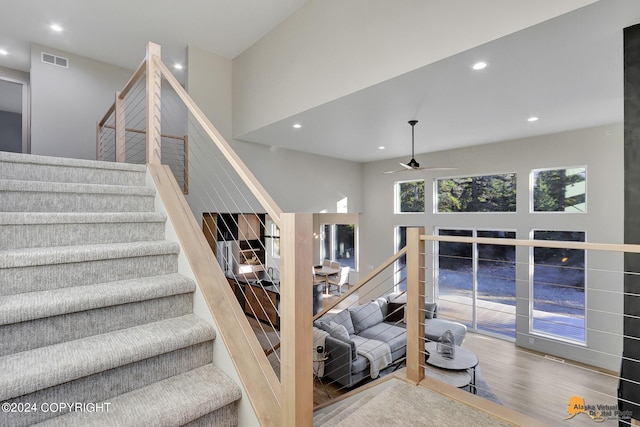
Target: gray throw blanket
[[377, 352]]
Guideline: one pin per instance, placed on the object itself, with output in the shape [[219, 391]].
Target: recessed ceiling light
[[55, 27], [178, 66], [381, 148], [3, 52], [479, 65], [297, 126], [533, 119]]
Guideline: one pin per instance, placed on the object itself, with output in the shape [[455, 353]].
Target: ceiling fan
[[413, 165]]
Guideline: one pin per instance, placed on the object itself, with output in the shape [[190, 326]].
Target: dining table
[[326, 271]]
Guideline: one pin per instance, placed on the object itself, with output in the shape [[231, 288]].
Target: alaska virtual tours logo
[[598, 413]]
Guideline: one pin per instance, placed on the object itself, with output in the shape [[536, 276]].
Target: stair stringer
[[221, 355]]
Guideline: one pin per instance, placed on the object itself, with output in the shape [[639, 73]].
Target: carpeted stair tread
[[83, 253], [37, 305], [45, 168], [334, 417], [73, 187], [32, 370], [33, 218], [171, 402], [40, 229]]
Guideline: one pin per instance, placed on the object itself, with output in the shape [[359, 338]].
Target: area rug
[[483, 389], [402, 404]]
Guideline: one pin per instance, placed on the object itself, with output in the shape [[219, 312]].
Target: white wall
[[298, 182], [66, 103], [600, 149], [331, 48]]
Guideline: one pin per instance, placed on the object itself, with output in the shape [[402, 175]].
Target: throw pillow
[[365, 316], [395, 312], [335, 330]]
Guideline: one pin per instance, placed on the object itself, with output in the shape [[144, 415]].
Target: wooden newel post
[[153, 103], [119, 129], [296, 314], [415, 304]]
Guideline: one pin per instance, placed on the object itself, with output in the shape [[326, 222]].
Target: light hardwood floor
[[540, 387]]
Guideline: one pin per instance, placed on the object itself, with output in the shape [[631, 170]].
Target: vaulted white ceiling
[[117, 31], [566, 71]]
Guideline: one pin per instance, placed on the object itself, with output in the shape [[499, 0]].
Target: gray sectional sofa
[[380, 320]]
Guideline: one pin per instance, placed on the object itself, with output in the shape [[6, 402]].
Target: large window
[[477, 282], [339, 243], [558, 297], [560, 190], [489, 193], [410, 196]]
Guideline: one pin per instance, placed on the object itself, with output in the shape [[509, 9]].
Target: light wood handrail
[[605, 247], [133, 79], [362, 282], [238, 165], [258, 378], [110, 111]]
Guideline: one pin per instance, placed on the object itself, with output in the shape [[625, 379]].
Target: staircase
[[96, 325]]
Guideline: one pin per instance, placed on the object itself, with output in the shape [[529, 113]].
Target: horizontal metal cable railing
[[569, 294]]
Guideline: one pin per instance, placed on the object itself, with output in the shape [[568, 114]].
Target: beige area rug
[[402, 404]]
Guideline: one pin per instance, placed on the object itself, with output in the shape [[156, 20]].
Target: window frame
[[397, 203], [436, 194], [532, 184]]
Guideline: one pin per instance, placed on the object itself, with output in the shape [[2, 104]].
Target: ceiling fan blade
[[401, 170], [406, 166]]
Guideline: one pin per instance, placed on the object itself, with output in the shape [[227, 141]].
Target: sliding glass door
[[476, 282]]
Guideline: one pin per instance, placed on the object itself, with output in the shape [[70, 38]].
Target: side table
[[464, 361]]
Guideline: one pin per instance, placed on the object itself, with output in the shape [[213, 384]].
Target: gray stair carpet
[[93, 311]]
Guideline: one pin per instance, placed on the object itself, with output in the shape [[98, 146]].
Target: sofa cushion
[[365, 316], [335, 330], [393, 335], [342, 318], [382, 302]]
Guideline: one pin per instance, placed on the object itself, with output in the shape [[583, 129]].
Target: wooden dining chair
[[326, 262]]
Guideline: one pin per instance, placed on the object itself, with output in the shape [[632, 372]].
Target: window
[[489, 193], [557, 301], [560, 190], [339, 243], [410, 196], [477, 282], [272, 239]]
